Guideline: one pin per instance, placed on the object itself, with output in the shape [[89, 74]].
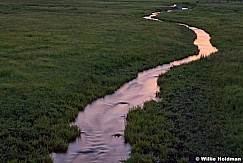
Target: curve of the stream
[[103, 121]]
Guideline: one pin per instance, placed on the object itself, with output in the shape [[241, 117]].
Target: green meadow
[[56, 56], [201, 107]]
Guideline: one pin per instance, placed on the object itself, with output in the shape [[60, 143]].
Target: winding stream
[[103, 121]]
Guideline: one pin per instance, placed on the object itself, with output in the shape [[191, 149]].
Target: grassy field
[[56, 56], [201, 110]]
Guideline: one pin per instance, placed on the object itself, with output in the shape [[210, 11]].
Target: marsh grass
[[58, 56], [201, 109]]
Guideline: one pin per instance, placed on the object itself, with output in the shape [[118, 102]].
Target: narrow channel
[[103, 121]]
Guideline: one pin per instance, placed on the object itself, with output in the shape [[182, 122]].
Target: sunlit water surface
[[103, 121]]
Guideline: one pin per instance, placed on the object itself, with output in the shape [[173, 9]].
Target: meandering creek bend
[[103, 121]]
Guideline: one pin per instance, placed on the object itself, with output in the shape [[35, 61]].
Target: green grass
[[201, 110], [56, 56]]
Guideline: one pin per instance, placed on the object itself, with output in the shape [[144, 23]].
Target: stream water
[[103, 121]]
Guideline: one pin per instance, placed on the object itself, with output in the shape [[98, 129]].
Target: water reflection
[[103, 121]]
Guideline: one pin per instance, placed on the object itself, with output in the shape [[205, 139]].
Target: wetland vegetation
[[56, 56], [201, 109]]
